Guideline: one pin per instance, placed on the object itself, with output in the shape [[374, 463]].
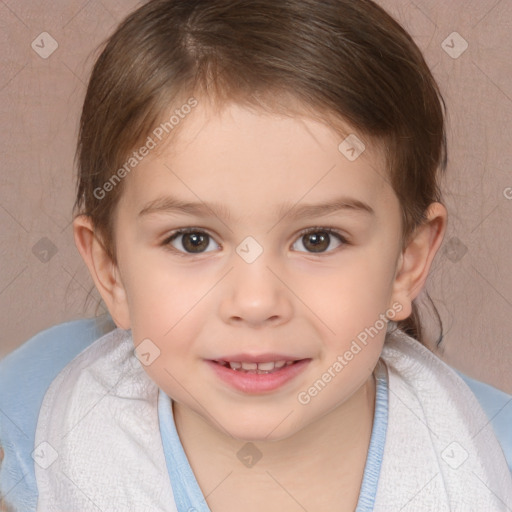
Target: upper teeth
[[258, 366]]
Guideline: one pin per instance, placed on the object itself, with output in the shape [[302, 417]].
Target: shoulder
[[25, 376], [419, 367], [498, 407]]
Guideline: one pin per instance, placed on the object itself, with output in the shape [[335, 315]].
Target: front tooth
[[266, 366], [279, 364], [249, 366], [235, 366]]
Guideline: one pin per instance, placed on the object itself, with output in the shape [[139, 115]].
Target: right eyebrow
[[169, 204]]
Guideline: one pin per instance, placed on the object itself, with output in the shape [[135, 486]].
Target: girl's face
[[291, 256]]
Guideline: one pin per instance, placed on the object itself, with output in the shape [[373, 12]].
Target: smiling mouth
[[257, 368]]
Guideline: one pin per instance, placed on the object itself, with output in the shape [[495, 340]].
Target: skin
[[290, 300]]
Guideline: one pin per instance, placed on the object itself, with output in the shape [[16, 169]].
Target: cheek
[[162, 298], [351, 296], [166, 308]]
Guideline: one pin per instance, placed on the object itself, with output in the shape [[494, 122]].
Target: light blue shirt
[[188, 495], [26, 374]]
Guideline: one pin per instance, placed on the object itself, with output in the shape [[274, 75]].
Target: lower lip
[[258, 382]]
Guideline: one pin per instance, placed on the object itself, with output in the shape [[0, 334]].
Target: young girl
[[258, 205]]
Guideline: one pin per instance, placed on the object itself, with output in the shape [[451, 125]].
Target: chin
[[260, 429], [260, 436]]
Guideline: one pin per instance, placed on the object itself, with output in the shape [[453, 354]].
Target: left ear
[[415, 260]]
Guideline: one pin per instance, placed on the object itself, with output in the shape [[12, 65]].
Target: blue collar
[[187, 493]]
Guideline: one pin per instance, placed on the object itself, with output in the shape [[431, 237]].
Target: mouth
[[257, 368], [256, 376]]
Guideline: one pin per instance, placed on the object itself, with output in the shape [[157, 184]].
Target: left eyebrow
[[318, 210], [170, 204]]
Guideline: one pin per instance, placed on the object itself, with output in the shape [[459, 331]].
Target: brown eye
[[195, 242], [319, 240], [190, 241]]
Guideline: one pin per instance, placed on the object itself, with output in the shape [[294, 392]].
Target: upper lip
[[257, 358]]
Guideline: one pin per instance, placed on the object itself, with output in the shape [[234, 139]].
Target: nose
[[255, 294]]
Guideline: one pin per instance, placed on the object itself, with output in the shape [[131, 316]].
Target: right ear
[[103, 270]]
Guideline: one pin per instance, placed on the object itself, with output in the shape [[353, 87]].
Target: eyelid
[[183, 231], [343, 240], [330, 230], [166, 243]]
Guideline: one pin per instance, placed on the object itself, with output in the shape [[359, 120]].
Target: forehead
[[252, 159]]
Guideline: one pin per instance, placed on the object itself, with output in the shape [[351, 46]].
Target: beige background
[[44, 282]]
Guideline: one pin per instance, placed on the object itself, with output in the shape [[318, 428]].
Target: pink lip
[[254, 383], [257, 358]]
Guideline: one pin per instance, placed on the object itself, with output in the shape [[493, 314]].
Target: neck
[[334, 448]]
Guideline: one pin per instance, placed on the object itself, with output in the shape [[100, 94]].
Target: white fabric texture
[[441, 453], [100, 418]]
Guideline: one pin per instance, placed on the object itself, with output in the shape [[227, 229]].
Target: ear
[[104, 271], [415, 260]]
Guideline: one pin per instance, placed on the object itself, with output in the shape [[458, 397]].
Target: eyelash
[[330, 231]]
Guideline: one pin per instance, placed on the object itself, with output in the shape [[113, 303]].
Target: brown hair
[[342, 59]]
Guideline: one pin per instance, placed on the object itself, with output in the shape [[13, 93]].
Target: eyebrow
[[170, 204]]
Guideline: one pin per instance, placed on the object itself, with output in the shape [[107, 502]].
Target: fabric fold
[[98, 443], [441, 452]]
